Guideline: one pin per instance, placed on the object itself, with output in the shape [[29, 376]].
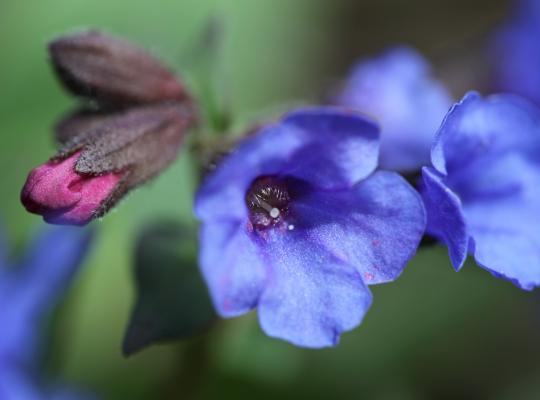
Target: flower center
[[267, 200]]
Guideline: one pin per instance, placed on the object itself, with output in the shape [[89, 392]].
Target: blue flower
[[398, 90], [296, 222], [515, 53], [28, 292], [482, 194]]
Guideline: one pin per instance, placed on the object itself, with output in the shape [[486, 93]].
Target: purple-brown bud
[[134, 133], [112, 71]]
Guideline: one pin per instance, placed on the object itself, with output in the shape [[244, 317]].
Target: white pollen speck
[[290, 227], [274, 212]]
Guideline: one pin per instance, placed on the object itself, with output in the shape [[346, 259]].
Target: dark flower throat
[[267, 200]]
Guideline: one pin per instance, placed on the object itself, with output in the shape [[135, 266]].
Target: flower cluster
[[28, 292], [304, 214], [129, 133], [298, 221]]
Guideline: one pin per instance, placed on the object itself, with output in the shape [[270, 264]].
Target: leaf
[[172, 299]]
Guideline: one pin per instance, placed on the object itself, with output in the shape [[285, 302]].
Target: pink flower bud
[[63, 196]]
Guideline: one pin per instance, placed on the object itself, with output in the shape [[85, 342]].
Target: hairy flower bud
[[112, 71], [63, 196], [117, 153], [132, 134]]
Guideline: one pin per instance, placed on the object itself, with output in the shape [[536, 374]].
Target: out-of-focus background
[[431, 334]]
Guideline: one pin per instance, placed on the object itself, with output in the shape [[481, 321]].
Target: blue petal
[[375, 226], [16, 385], [33, 289], [342, 147], [503, 215], [479, 127], [311, 297], [51, 262], [232, 267], [490, 149], [20, 318], [328, 147], [397, 89], [445, 216], [515, 54]]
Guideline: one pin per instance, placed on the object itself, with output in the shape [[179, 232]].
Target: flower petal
[[311, 297], [445, 216], [514, 51], [489, 147], [328, 147], [34, 288], [232, 267], [479, 127], [376, 226], [342, 147], [14, 384], [52, 259], [398, 90], [503, 215]]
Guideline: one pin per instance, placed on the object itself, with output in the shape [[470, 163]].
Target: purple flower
[[483, 193], [296, 222], [398, 90], [28, 292], [515, 52]]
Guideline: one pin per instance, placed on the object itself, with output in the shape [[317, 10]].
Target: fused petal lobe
[[325, 146], [232, 267], [398, 90], [484, 197], [311, 296], [445, 217], [341, 147], [375, 226], [479, 127], [503, 218]]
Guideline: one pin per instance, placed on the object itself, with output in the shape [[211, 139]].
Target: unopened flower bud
[[112, 71], [63, 196], [95, 168], [132, 133]]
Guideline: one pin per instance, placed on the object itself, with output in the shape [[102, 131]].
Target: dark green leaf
[[172, 299]]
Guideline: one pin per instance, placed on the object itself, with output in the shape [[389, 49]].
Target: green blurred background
[[433, 334]]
